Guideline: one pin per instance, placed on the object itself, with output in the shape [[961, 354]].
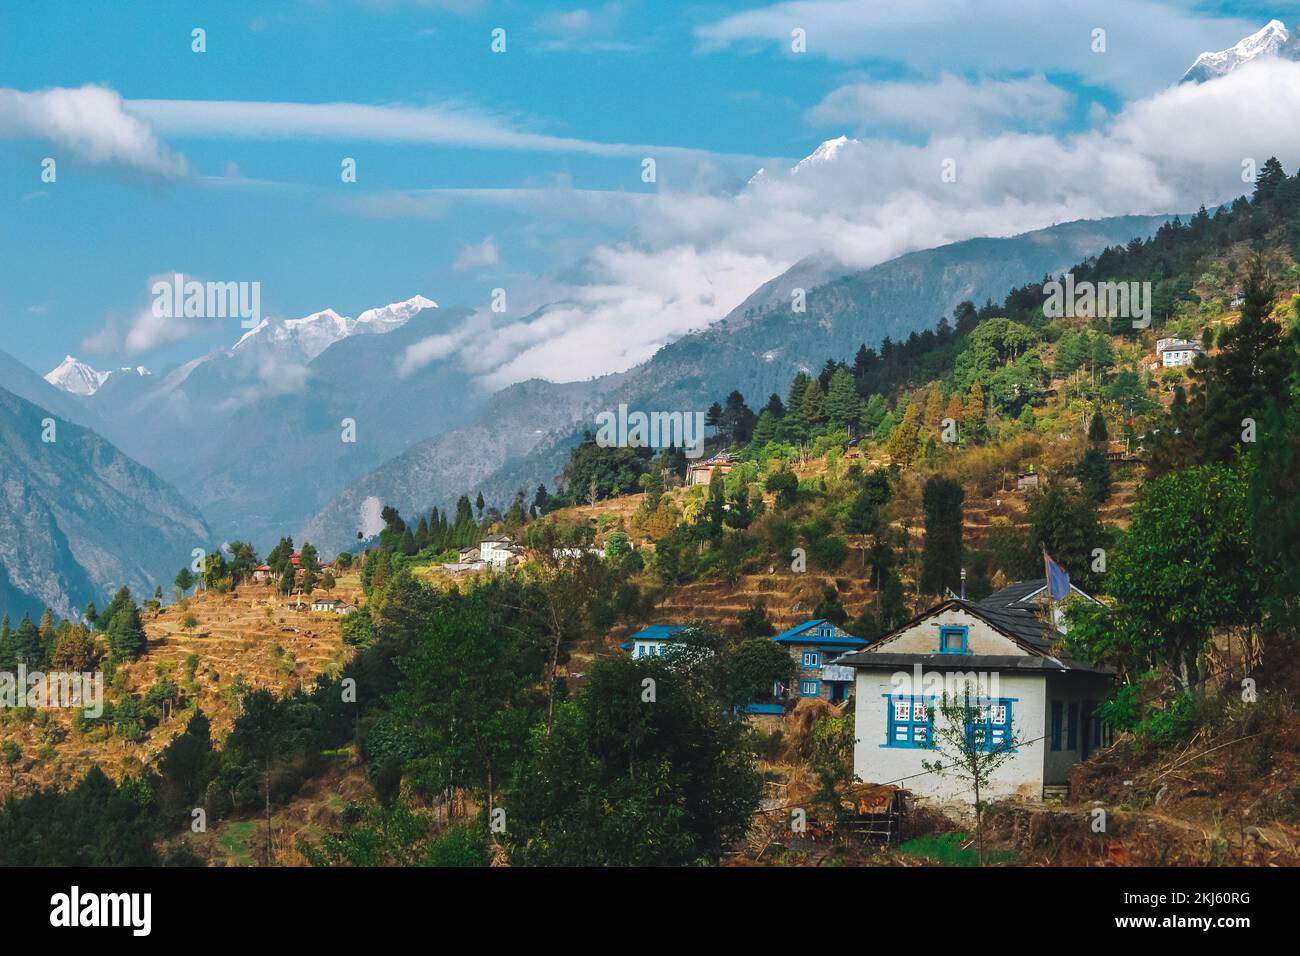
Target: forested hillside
[[495, 719]]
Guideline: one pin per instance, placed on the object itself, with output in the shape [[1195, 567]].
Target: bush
[[828, 552], [462, 845]]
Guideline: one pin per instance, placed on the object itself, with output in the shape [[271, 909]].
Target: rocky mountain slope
[[757, 348], [79, 519]]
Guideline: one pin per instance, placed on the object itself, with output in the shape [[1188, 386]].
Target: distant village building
[[558, 553], [1026, 480], [814, 645], [1024, 689], [332, 606], [1173, 353], [701, 472], [1119, 451], [653, 640], [1238, 300], [498, 550], [263, 574], [468, 555]]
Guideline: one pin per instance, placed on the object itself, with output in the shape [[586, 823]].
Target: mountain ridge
[[79, 519]]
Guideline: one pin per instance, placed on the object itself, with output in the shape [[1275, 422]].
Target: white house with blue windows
[[652, 641], [1025, 691], [815, 645]]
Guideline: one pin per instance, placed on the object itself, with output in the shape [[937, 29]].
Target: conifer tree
[[813, 403], [843, 407]]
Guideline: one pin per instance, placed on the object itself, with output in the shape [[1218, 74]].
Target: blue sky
[[523, 170]]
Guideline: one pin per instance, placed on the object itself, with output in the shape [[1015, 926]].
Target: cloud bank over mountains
[[930, 160]]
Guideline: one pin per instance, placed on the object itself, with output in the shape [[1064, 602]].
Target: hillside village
[[936, 604]]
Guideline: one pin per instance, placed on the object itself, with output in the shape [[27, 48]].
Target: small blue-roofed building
[[815, 645], [651, 641]]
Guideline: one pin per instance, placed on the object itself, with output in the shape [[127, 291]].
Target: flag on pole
[[1058, 579]]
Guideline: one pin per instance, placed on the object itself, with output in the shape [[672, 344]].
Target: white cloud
[[451, 125], [370, 517], [693, 257], [91, 124], [584, 29], [1148, 41], [950, 103], [477, 256], [146, 330], [149, 331]]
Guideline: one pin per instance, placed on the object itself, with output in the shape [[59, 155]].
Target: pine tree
[[1270, 179], [25, 645], [74, 650], [813, 403], [125, 635], [905, 440], [873, 413], [765, 429], [737, 420], [975, 405], [934, 409], [843, 407], [941, 560], [956, 409], [794, 401], [1097, 431], [886, 428], [1093, 472]]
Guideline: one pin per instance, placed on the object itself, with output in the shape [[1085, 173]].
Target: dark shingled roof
[[1018, 593], [1018, 623]]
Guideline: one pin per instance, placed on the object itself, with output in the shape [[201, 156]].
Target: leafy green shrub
[[462, 845]]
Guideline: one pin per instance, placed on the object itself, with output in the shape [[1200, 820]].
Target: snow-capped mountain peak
[[824, 153], [313, 334], [1273, 40], [394, 315], [75, 376]]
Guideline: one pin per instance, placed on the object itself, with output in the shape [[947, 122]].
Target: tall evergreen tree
[[941, 499], [125, 634], [843, 407]]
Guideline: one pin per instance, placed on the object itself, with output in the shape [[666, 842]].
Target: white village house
[[1027, 689], [325, 605], [498, 550], [1174, 353]]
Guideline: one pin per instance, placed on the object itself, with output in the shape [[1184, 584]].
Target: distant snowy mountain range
[[313, 334], [79, 378], [303, 338], [1273, 40]]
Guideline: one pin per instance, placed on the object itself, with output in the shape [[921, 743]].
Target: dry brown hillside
[[248, 639]]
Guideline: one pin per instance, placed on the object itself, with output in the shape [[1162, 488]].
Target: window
[[809, 688], [952, 640], [988, 724], [1072, 728], [910, 722], [1057, 710], [812, 659]]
